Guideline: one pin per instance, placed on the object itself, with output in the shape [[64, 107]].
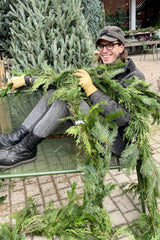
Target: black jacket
[[112, 106]]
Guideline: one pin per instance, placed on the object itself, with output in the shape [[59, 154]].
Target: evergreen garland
[[142, 103], [70, 222]]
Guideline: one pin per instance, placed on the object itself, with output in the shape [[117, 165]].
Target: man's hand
[[17, 82], [85, 81]]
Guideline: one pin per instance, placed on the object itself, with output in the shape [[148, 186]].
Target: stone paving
[[123, 208]]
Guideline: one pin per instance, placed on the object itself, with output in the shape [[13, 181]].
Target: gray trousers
[[44, 118]]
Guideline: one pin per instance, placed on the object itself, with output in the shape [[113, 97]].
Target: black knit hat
[[111, 34]]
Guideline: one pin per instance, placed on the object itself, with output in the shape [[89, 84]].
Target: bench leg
[[141, 186]]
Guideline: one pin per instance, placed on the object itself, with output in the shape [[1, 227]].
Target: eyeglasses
[[109, 46]]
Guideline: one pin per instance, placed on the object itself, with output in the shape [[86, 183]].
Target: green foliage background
[[54, 32]]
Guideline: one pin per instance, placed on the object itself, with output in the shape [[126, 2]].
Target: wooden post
[[2, 72], [5, 119]]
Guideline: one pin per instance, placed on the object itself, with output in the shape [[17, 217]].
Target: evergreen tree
[[94, 11], [51, 32], [5, 19]]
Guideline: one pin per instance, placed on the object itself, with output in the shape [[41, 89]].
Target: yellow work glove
[[17, 82], [85, 81]]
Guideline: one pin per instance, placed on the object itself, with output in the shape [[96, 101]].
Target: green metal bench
[[55, 154]]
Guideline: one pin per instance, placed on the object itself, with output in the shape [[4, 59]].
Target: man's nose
[[105, 49]]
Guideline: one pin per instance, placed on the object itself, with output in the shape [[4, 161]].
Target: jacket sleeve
[[29, 80], [110, 106]]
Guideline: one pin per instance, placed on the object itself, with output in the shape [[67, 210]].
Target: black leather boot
[[8, 140], [23, 152]]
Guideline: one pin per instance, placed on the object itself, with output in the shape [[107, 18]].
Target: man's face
[[110, 53]]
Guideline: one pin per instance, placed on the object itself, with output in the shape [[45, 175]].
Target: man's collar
[[130, 65]]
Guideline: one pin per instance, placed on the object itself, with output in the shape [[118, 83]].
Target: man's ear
[[121, 48]]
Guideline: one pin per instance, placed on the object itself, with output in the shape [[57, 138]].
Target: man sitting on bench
[[21, 145]]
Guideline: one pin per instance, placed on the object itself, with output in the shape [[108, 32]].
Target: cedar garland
[[143, 105]]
